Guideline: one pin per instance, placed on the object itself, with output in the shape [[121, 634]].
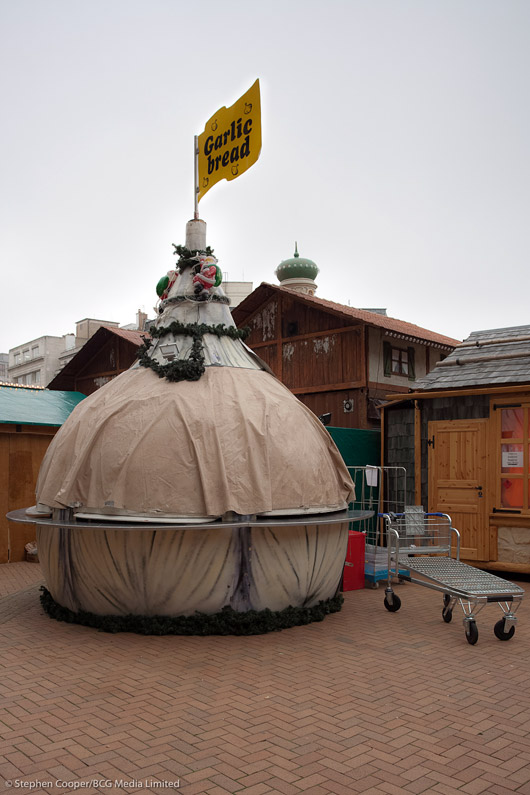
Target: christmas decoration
[[193, 493], [226, 622], [192, 368], [207, 276]]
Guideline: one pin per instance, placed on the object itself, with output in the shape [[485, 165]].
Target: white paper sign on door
[[512, 459]]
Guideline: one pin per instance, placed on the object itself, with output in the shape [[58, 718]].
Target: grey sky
[[395, 151]]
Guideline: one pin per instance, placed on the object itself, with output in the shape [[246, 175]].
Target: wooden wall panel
[[322, 360], [309, 362], [269, 354], [106, 359], [298, 318], [4, 498], [25, 456], [127, 354], [323, 402], [91, 383], [264, 324], [311, 349], [116, 356], [21, 455], [352, 355], [103, 365]]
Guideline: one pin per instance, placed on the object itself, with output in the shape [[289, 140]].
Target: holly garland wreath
[[226, 622]]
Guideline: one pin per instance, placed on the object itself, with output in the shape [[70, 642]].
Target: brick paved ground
[[364, 702]]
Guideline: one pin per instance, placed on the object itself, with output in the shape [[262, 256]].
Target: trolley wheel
[[393, 606], [447, 615], [471, 632], [500, 632], [447, 599]]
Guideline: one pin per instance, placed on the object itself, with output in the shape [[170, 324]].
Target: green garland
[[188, 257], [198, 330], [189, 369], [177, 299], [193, 367], [226, 622]]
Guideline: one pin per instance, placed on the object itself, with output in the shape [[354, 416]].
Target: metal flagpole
[[196, 169]]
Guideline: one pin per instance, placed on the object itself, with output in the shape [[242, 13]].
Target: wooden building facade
[[29, 419], [334, 358], [464, 438], [109, 352]]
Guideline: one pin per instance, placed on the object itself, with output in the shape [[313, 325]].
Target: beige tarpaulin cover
[[236, 440], [179, 571]]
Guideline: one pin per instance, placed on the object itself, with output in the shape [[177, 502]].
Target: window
[[398, 361], [17, 358], [25, 354], [34, 351], [513, 485]]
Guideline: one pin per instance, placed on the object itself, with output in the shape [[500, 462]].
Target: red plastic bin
[[353, 577]]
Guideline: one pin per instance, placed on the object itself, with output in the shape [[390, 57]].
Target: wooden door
[[457, 481]]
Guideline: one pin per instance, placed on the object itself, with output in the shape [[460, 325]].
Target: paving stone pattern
[[364, 702]]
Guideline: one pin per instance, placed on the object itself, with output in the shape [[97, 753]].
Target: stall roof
[[29, 406], [485, 358], [391, 325]]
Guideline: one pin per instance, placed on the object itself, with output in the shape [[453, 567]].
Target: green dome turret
[[298, 273], [296, 267]]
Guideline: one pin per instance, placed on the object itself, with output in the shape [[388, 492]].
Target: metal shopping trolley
[[422, 544], [380, 491]]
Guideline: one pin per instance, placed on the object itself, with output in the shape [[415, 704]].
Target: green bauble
[[162, 284]]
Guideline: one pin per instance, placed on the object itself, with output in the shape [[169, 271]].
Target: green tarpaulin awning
[[23, 406]]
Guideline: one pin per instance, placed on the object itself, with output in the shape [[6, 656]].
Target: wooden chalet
[[29, 419], [463, 436], [334, 358], [109, 352]]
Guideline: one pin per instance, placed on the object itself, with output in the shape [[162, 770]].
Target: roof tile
[[494, 356], [252, 301]]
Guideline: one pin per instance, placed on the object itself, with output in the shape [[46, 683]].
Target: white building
[[4, 364], [236, 291], [35, 362]]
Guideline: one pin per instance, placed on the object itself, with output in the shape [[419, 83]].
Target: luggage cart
[[421, 543]]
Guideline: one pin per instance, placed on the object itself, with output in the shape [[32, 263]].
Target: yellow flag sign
[[231, 141]]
